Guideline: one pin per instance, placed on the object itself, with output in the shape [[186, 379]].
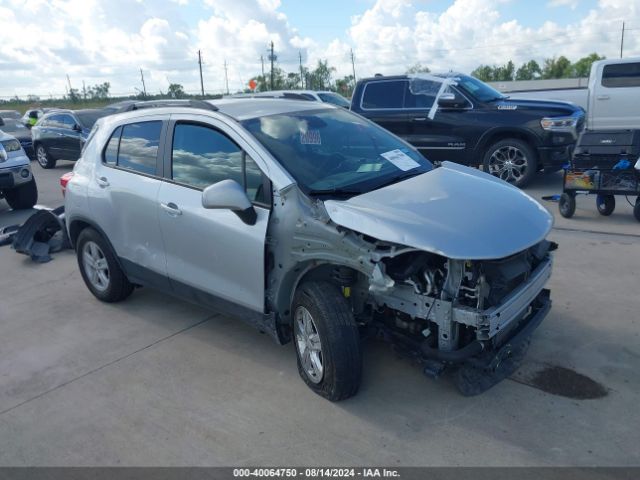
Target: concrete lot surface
[[156, 381]]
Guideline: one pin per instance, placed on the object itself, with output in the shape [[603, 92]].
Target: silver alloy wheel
[[309, 346], [41, 155], [95, 266], [508, 163]]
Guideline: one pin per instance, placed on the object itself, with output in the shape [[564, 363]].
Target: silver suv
[[17, 185], [314, 225]]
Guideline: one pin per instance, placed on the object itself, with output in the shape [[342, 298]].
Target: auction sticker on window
[[400, 159]]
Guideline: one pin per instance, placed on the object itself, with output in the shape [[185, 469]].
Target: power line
[[201, 81]]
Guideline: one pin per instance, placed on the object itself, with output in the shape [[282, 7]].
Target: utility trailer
[[605, 164]]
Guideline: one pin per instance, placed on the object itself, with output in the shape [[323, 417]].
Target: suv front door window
[[212, 250]]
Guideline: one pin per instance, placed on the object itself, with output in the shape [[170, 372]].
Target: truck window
[[383, 95], [621, 75]]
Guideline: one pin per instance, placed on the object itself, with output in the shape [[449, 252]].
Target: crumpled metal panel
[[454, 211]]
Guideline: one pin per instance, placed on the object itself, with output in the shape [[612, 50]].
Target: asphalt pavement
[[156, 381]]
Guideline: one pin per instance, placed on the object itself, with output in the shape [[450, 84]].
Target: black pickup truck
[[459, 118]]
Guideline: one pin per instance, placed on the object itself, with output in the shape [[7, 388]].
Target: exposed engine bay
[[439, 311]]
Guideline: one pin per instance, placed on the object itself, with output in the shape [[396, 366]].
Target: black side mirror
[[449, 100], [77, 128]]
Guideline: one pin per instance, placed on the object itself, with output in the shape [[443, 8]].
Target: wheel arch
[[77, 224], [498, 134]]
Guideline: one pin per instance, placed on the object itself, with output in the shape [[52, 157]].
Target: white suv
[[313, 224]]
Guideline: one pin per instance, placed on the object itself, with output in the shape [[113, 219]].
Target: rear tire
[[511, 160], [327, 341], [22, 197], [100, 269], [605, 204], [636, 209], [567, 205], [44, 158]]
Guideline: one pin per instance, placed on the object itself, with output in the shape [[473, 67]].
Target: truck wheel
[[511, 160], [22, 197], [43, 157], [327, 341], [100, 269], [567, 205], [605, 204], [636, 209]]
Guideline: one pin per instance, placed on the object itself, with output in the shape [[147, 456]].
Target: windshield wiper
[[335, 191]]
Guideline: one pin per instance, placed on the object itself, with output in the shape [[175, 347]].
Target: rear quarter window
[[621, 75], [138, 149]]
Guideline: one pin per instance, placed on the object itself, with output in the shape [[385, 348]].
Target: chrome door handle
[[171, 208], [102, 181], [419, 119], [603, 97]]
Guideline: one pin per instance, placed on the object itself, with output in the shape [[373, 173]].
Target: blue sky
[[94, 41]]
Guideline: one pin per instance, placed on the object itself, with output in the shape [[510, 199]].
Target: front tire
[[327, 341], [44, 158], [511, 160], [567, 205], [22, 197], [99, 268], [636, 209]]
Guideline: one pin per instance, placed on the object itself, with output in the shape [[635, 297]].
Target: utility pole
[[262, 62], [84, 90], [622, 40], [226, 77], [301, 70], [272, 57], [144, 88], [69, 82], [353, 66], [200, 65]]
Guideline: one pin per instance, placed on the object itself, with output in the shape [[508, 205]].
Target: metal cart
[[604, 164]]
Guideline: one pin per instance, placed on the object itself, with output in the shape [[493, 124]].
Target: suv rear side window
[[386, 94], [111, 152], [621, 75], [139, 146], [202, 156]]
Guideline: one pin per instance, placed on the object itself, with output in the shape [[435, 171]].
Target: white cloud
[[110, 40]]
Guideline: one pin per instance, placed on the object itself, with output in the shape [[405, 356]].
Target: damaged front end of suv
[[453, 285]]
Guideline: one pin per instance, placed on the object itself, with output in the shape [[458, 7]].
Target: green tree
[[99, 91], [557, 68], [529, 71], [484, 73], [175, 90], [345, 85], [417, 68], [582, 68], [320, 77]]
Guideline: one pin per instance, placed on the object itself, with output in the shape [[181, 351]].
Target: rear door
[[382, 102], [124, 198], [616, 97], [213, 257], [50, 135]]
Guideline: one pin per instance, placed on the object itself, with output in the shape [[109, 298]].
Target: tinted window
[[477, 89], [139, 146], [67, 121], [202, 156], [622, 75], [388, 94], [56, 121], [111, 152], [421, 93]]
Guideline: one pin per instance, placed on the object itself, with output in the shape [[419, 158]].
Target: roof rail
[[170, 103]]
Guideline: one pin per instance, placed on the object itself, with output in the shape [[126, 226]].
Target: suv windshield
[[478, 89], [89, 117], [334, 152]]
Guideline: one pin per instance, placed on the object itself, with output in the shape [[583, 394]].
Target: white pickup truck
[[612, 99]]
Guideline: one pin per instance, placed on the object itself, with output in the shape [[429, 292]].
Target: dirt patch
[[564, 382]]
